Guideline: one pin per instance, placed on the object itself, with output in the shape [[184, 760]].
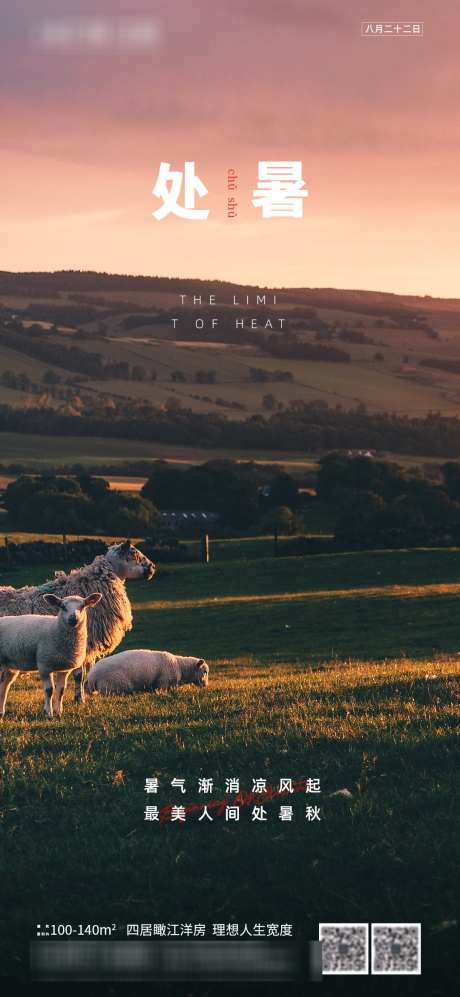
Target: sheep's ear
[[126, 544], [52, 600], [200, 662], [93, 599]]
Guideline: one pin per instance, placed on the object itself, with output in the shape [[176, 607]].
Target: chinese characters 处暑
[[279, 193]]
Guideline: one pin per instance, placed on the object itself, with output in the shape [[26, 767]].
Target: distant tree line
[[72, 358], [400, 309], [47, 284], [380, 504], [74, 505], [308, 426], [258, 375], [18, 381], [205, 377], [232, 490], [111, 305], [289, 345], [441, 363], [261, 376], [63, 313], [355, 336], [82, 503]]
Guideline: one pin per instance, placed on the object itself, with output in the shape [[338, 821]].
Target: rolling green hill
[[386, 372]]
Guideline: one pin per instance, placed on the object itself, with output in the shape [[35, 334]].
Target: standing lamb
[[146, 671], [111, 620], [51, 644]]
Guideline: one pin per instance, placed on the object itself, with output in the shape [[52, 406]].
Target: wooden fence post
[[205, 548]]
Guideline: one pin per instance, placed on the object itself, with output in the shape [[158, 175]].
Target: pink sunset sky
[[227, 83]]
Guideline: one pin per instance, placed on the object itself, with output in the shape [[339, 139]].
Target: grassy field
[[339, 667], [47, 451], [221, 549], [117, 482], [26, 448]]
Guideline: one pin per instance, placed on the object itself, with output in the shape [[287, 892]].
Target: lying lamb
[[47, 643], [145, 671]]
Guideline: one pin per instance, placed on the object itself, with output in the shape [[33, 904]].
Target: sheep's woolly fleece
[[107, 622]]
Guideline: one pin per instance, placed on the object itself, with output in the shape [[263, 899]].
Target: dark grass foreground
[[342, 668]]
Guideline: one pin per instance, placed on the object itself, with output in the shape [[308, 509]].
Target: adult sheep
[[111, 618]]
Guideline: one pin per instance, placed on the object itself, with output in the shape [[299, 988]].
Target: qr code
[[396, 948], [344, 948]]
